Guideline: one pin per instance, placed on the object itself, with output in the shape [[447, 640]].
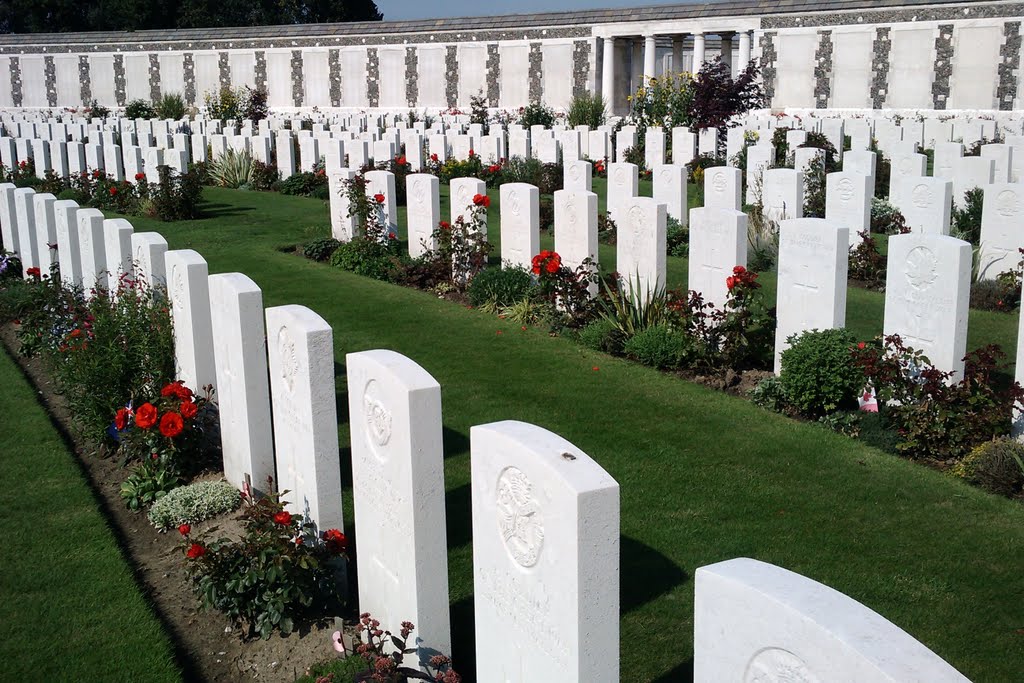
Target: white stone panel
[[975, 76], [316, 78], [188, 291], [243, 68], [515, 75], [69, 83], [795, 65], [279, 78], [851, 69], [207, 72], [431, 81], [33, 81], [172, 73], [556, 72], [911, 68], [718, 243], [472, 60], [520, 224], [392, 77], [353, 78], [136, 76]]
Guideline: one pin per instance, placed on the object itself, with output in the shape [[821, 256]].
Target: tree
[[55, 16], [717, 96]]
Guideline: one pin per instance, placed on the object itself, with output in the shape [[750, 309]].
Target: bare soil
[[207, 646]]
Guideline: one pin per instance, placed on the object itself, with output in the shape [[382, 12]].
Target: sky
[[395, 10]]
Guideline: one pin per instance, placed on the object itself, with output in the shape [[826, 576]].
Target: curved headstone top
[[754, 621]]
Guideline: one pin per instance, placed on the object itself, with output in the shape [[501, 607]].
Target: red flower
[[554, 263], [195, 551], [481, 200], [33, 272], [171, 425], [121, 419], [336, 541], [471, 153], [284, 518], [178, 390], [113, 191], [433, 157], [861, 345], [96, 174], [75, 334], [379, 198], [445, 225], [184, 529], [730, 282], [188, 409], [140, 176], [145, 416], [401, 160], [739, 270]]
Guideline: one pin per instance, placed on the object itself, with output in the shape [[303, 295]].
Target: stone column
[[650, 47], [698, 51], [677, 53], [744, 51], [726, 51], [608, 74]]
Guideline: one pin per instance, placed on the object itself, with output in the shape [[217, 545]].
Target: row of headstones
[[70, 159], [545, 515]]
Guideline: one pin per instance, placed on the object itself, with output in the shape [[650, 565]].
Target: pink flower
[[338, 645]]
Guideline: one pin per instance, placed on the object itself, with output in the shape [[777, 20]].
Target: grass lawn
[[705, 476], [69, 607]]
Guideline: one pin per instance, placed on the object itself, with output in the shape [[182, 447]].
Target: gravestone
[[848, 203], [8, 218], [718, 243], [947, 155], [795, 138], [461, 192], [1001, 234], [41, 157], [969, 173], [309, 154], [93, 249], [576, 228], [399, 496], [423, 212], [343, 225], [383, 182], [925, 203], [759, 159], [670, 190], [243, 393], [569, 145], [640, 247], [599, 145], [735, 139], [927, 293], [807, 158], [113, 162], [707, 141], [722, 186], [625, 140], [153, 159], [782, 195], [117, 236], [284, 148], [654, 147], [812, 268], [905, 165], [520, 224], [577, 176], [757, 622], [65, 216], [46, 230], [188, 290], [545, 558], [25, 218], [148, 249], [684, 146], [861, 161], [623, 184], [300, 349], [1002, 161], [76, 159], [547, 150]]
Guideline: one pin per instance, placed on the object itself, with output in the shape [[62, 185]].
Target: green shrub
[[364, 257], [677, 238], [139, 109], [177, 197], [96, 111], [263, 176], [996, 466], [586, 109], [321, 249], [658, 346], [537, 114], [886, 219], [231, 169], [966, 220], [73, 195], [769, 394], [994, 295], [818, 373], [151, 481], [503, 286], [170, 106], [194, 503], [305, 184], [602, 335]]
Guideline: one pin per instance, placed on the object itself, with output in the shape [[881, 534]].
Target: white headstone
[[46, 230], [969, 173], [670, 190], [1002, 161], [848, 202], [1001, 234], [759, 159], [757, 622], [520, 223], [65, 215], [905, 165], [25, 216], [654, 147], [93, 249], [946, 156], [576, 227], [860, 161], [423, 212], [722, 185], [545, 558], [383, 183], [461, 192], [399, 496], [188, 290], [813, 261], [117, 235], [927, 294], [243, 393], [8, 218], [925, 203], [718, 243], [640, 247], [300, 346], [782, 194], [577, 176], [623, 185], [284, 149], [148, 249], [343, 226]]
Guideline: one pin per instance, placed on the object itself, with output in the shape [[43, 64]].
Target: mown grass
[[69, 607], [705, 476]]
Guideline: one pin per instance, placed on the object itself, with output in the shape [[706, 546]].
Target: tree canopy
[[55, 16]]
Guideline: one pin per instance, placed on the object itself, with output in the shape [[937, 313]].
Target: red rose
[[140, 176], [335, 540], [739, 270], [195, 551], [171, 425], [401, 160], [284, 518], [445, 225], [471, 153], [861, 345], [433, 157], [145, 416], [379, 198], [554, 264], [730, 282], [121, 419], [188, 409], [184, 529], [113, 191]]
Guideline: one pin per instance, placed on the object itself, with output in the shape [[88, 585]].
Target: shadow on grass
[[218, 210], [683, 673], [464, 639], [646, 574], [455, 442], [459, 516]]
